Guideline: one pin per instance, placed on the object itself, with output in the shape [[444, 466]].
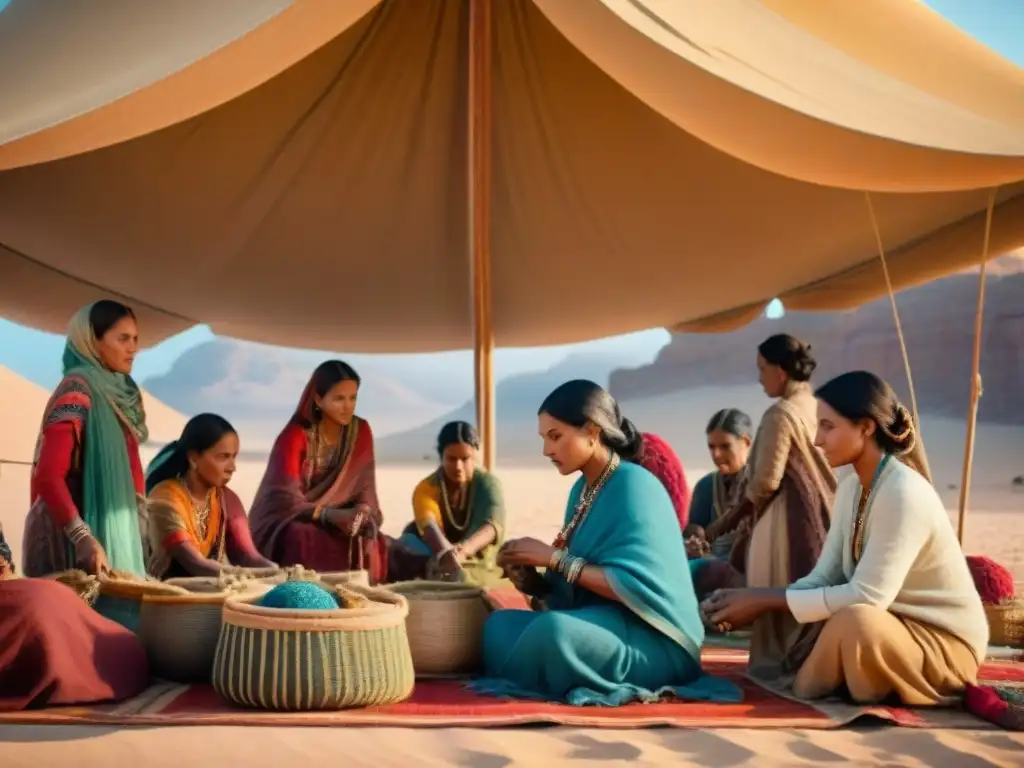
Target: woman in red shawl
[[317, 504]]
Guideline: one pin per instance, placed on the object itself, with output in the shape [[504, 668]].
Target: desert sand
[[535, 496]]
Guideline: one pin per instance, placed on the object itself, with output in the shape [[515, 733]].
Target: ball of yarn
[[993, 582], [300, 595]]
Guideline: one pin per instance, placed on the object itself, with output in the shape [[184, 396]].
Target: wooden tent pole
[[480, 157], [976, 388]]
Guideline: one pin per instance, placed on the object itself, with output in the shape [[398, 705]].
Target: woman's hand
[[90, 557], [728, 609], [526, 551], [526, 580], [349, 521], [697, 546]]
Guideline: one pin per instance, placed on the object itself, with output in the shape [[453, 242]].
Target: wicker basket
[[445, 625], [120, 597], [310, 660], [180, 632], [1006, 623]]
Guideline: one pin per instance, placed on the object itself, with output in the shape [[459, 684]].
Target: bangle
[[556, 561], [574, 569], [77, 531]]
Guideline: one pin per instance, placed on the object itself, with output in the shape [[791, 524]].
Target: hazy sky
[[36, 355]]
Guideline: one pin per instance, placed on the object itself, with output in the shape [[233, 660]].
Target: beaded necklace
[[464, 503], [586, 501]]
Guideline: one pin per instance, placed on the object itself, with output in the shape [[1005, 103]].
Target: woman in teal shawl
[[458, 512], [615, 616], [87, 481]]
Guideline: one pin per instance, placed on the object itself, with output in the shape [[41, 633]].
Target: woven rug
[[446, 704]]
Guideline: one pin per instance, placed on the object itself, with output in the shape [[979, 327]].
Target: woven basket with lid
[[300, 660], [180, 632], [445, 625]]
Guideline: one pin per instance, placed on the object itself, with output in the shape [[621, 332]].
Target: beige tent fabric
[[325, 206], [105, 71]]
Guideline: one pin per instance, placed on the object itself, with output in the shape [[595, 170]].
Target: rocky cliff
[[938, 324]]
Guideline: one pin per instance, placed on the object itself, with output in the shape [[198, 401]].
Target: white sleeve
[[899, 526]]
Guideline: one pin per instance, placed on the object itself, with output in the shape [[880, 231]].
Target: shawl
[[292, 485], [110, 504], [172, 521], [632, 533], [658, 458]]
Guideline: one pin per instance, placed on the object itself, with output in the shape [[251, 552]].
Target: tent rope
[[976, 383], [895, 309]]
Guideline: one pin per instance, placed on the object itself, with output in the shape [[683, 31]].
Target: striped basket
[[302, 660], [445, 625], [180, 632]]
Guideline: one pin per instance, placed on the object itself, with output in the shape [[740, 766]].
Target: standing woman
[[87, 482], [783, 519], [197, 525], [458, 512]]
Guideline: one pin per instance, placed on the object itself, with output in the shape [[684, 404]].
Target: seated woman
[[458, 513], [782, 519], [197, 525], [87, 484], [658, 458], [317, 504], [892, 598], [616, 617], [55, 650], [729, 436]]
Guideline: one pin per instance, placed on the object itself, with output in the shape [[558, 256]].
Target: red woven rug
[[445, 704]]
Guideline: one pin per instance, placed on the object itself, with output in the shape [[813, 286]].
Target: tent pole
[[976, 388], [480, 156]]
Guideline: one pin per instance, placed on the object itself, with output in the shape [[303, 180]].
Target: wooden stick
[[976, 388]]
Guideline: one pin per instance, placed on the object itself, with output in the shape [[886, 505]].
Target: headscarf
[[110, 504]]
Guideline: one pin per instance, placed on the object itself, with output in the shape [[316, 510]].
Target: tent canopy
[[296, 172]]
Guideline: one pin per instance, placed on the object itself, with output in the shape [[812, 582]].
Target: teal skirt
[[601, 654]]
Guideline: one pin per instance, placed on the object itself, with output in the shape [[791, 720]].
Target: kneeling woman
[[616, 617], [890, 608], [197, 525], [458, 514]]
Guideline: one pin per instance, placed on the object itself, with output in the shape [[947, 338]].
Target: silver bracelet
[[576, 570], [557, 560], [77, 531]]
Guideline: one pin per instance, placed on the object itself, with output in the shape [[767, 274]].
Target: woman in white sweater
[[890, 608]]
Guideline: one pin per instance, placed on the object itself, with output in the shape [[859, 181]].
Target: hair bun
[[901, 431], [630, 446]]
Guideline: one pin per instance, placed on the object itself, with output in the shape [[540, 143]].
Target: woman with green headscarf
[[87, 480]]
